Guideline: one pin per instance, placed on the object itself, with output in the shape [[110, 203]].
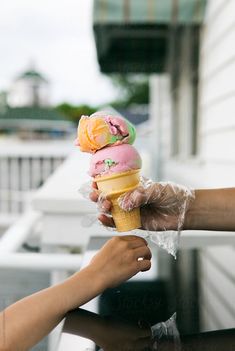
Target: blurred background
[[167, 66]]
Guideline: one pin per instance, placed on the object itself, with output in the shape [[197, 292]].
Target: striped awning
[[132, 36], [149, 11]]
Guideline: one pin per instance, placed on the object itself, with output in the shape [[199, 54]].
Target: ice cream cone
[[113, 186]]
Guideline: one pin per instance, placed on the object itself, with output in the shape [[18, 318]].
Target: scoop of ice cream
[[100, 130], [115, 159]]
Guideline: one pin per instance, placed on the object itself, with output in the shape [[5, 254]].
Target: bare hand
[[121, 258]]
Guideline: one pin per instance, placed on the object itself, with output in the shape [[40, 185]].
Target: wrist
[[192, 214], [97, 277], [202, 213], [82, 287], [189, 220]]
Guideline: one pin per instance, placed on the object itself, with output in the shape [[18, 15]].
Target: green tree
[[133, 89], [74, 113]]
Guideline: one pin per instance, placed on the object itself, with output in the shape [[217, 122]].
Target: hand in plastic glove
[[162, 205]]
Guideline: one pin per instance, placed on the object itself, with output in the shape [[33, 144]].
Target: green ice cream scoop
[[121, 130]]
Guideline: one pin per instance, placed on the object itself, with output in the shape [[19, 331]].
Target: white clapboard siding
[[213, 9], [207, 320], [217, 174], [217, 290], [214, 165], [208, 315], [217, 148], [219, 116], [225, 257], [220, 145], [215, 272], [215, 310], [218, 24], [219, 86], [215, 60]]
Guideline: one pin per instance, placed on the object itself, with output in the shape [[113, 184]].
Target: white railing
[[41, 262], [24, 167], [19, 232], [14, 238]]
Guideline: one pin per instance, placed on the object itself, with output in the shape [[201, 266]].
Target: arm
[[212, 209], [27, 321], [169, 206]]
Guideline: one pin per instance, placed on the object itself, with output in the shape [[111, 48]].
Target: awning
[[132, 35]]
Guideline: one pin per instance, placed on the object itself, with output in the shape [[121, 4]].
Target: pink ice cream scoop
[[115, 159]]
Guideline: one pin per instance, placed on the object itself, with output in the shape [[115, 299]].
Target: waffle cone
[[114, 186]]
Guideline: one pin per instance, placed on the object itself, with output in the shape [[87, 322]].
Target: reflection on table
[[112, 334]]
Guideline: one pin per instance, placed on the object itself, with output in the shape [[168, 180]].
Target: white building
[[29, 89], [193, 112]]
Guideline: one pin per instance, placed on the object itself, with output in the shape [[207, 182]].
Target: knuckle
[[93, 196], [149, 253], [144, 265], [149, 265], [127, 244], [143, 241], [116, 239], [122, 243]]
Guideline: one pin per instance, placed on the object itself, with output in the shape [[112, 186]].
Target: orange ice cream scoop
[[101, 129], [93, 134]]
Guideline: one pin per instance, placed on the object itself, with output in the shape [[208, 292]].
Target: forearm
[[212, 209], [23, 324], [27, 321]]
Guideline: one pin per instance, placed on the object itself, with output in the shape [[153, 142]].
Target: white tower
[[29, 89]]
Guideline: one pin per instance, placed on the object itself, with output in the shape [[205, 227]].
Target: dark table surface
[[155, 310]]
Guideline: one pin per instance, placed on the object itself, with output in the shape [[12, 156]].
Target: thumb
[[132, 199]]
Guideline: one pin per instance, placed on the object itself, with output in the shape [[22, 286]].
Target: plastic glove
[[163, 205]]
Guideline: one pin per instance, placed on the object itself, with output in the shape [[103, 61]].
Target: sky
[[56, 35]]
